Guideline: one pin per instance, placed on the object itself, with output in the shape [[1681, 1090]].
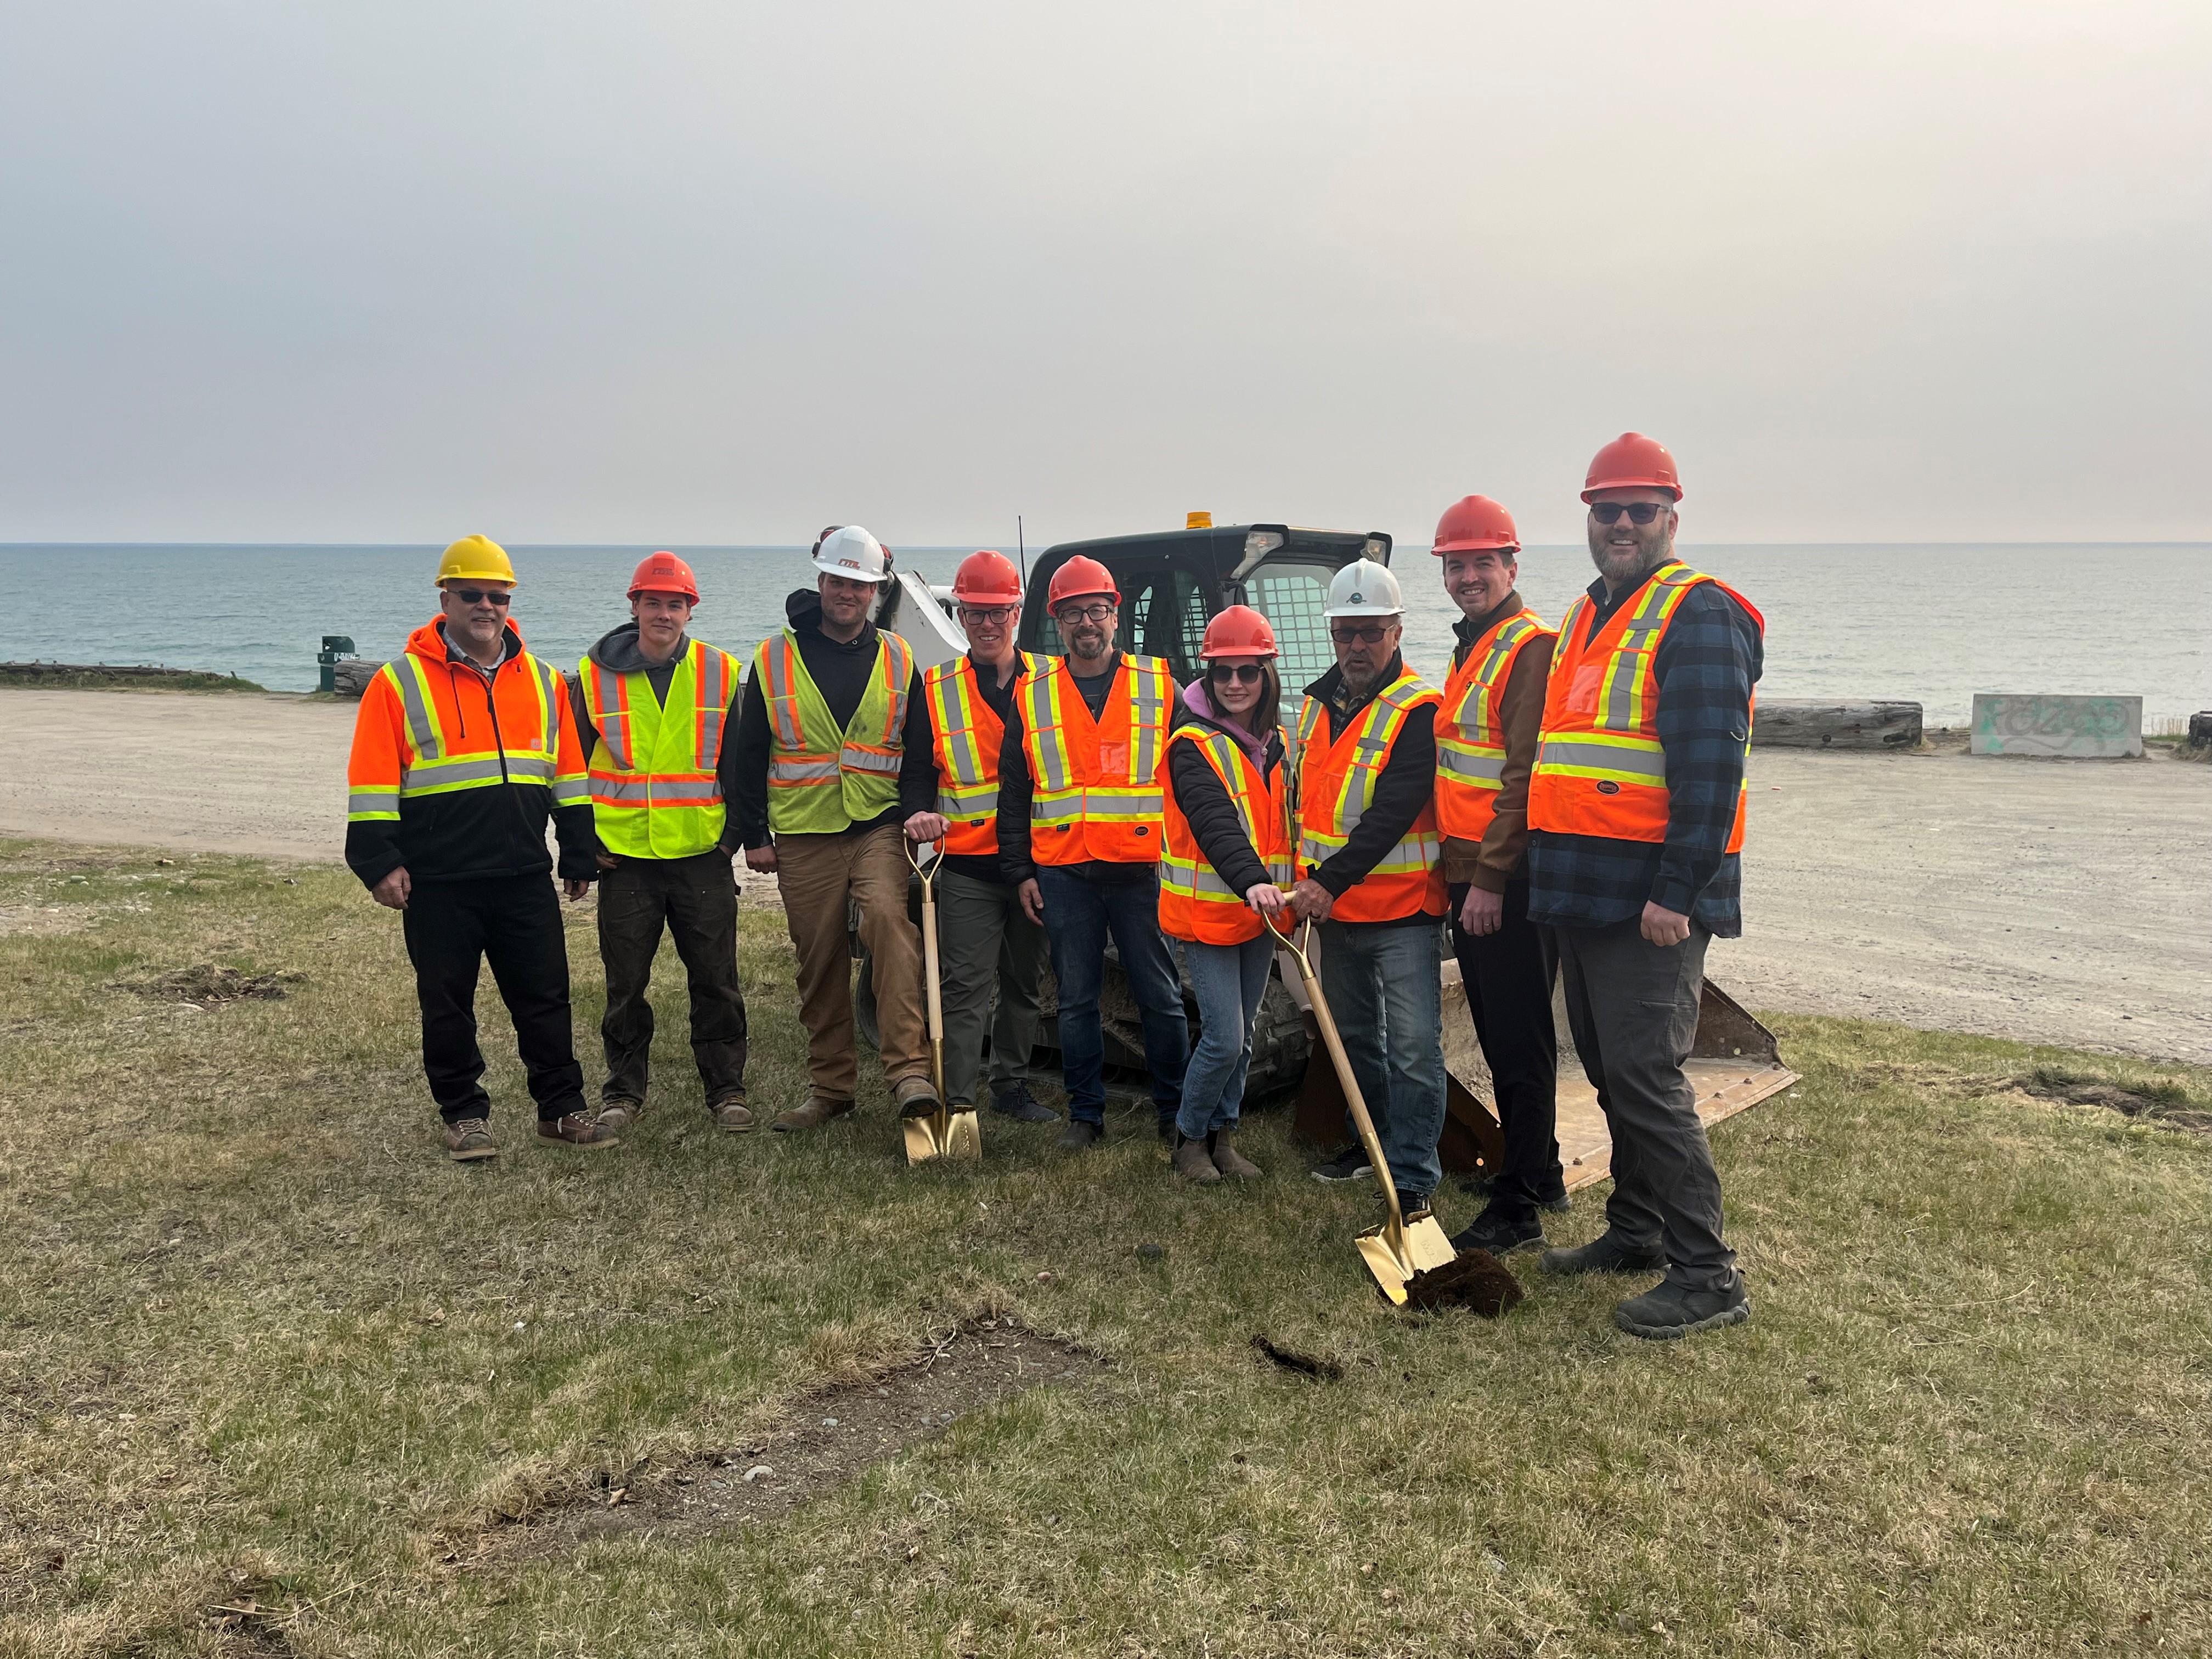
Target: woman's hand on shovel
[[1265, 898]]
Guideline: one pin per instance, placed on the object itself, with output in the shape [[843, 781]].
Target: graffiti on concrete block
[[2085, 728]]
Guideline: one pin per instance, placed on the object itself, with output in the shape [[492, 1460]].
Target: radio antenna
[[1021, 546]]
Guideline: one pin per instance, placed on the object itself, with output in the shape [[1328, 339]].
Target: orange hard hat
[[1079, 576], [1239, 631], [1632, 461], [663, 573], [987, 578], [1474, 523]]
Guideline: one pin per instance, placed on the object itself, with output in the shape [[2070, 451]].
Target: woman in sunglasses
[[1227, 861]]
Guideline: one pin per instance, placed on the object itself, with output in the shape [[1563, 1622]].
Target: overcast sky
[[723, 273]]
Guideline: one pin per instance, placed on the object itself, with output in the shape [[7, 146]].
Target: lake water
[[1933, 624]]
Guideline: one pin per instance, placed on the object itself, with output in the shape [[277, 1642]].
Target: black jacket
[[840, 672], [617, 653], [1407, 784], [1203, 799]]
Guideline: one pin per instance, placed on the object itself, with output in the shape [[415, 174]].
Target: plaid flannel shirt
[[1709, 659]]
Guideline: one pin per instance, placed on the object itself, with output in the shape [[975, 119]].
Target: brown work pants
[[816, 875]]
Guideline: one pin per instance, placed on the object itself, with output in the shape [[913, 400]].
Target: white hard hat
[[852, 553], [1364, 588]]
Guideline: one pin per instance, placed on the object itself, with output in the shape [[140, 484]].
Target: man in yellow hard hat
[[463, 748], [821, 738], [655, 707]]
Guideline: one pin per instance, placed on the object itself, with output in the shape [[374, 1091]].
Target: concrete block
[[2080, 728]]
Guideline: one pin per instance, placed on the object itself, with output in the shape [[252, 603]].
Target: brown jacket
[[1502, 854]]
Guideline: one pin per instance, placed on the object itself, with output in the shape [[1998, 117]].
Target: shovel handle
[[1334, 1043]]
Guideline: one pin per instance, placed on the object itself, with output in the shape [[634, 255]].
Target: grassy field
[[275, 1378]]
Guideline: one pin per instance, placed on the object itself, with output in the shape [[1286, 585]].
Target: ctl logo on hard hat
[[850, 564]]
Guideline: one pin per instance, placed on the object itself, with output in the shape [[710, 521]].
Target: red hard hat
[[1239, 631], [1079, 576], [1632, 461], [987, 578], [663, 573], [1473, 524]]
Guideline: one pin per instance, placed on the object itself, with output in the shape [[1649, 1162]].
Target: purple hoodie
[[1195, 700]]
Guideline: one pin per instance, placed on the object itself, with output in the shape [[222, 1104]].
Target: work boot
[[916, 1096], [1668, 1312], [1192, 1163], [1606, 1254], [1349, 1165], [1079, 1137], [575, 1130], [1500, 1234], [1227, 1159], [816, 1112], [617, 1116], [1019, 1104], [1481, 1186], [732, 1115], [1413, 1207], [470, 1140]]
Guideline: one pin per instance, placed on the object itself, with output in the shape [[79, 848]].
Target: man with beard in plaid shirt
[[1636, 815]]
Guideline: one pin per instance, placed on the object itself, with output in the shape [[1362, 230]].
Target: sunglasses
[[1639, 512], [1076, 613], [1370, 636], [478, 595], [1251, 673]]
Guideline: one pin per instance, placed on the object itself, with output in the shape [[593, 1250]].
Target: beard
[[1089, 645], [1621, 565]]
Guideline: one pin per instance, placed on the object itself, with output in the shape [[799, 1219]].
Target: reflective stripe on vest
[[1600, 769], [654, 793], [1336, 786], [968, 732], [1195, 903], [1470, 743], [820, 780], [1097, 784], [522, 757]]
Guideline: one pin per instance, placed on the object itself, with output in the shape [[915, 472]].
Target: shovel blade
[[1426, 1246], [942, 1134]]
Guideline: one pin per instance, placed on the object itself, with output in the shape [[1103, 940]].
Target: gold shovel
[[1411, 1261], [944, 1133]]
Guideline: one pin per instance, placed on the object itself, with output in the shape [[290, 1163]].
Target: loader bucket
[[1734, 1063]]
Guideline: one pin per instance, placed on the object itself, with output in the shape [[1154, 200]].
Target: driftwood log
[[1818, 723]]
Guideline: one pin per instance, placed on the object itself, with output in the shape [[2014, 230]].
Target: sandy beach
[[2044, 901]]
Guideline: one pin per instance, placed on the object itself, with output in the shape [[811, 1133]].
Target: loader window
[[1292, 597]]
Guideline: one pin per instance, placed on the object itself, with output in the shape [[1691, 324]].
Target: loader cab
[[1174, 581]]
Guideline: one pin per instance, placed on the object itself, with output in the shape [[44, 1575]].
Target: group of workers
[[1569, 802]]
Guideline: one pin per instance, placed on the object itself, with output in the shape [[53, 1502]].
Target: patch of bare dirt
[[827, 1438], [204, 982], [2169, 1105]]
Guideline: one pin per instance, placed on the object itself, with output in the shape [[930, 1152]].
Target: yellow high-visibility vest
[[655, 792], [820, 780]]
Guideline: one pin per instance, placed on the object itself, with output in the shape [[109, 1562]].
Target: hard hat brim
[[1491, 546], [477, 576], [1364, 610], [848, 573], [1597, 489]]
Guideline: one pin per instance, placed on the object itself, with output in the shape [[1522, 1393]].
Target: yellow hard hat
[[475, 559]]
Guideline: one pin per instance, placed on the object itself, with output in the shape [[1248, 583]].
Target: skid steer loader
[[1172, 583]]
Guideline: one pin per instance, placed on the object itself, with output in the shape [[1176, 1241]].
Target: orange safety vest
[[1195, 903], [822, 780], [414, 735], [1470, 742], [1336, 786], [1600, 768], [968, 732], [1097, 784]]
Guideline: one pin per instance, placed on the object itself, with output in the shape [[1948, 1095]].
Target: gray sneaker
[[1605, 1253], [619, 1116], [1668, 1312]]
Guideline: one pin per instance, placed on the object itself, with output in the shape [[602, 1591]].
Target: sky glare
[[717, 273]]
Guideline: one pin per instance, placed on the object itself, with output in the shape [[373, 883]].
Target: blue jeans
[[1230, 980], [1079, 915], [1383, 986]]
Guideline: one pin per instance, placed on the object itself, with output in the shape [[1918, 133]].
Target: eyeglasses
[[1639, 512], [1250, 672], [973, 616], [478, 595], [1372, 634], [1076, 613]]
